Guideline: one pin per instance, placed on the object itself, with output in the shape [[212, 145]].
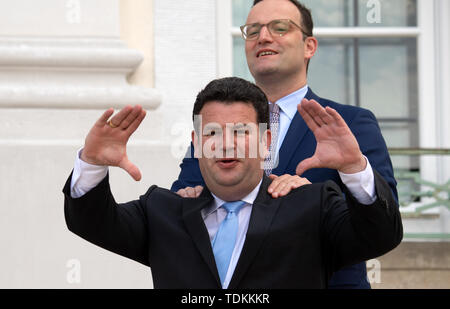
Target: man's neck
[[276, 88], [236, 192], [248, 198]]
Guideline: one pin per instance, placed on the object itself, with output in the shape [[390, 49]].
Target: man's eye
[[280, 27], [252, 31]]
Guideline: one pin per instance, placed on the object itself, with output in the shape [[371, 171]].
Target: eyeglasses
[[276, 27]]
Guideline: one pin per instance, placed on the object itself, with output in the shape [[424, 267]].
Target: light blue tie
[[225, 239]]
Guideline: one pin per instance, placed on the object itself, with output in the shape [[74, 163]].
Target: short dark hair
[[306, 22], [229, 90]]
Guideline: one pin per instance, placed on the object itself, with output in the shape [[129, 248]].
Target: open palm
[[337, 147], [106, 144]]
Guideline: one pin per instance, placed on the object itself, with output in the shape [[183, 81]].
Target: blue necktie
[[225, 239]]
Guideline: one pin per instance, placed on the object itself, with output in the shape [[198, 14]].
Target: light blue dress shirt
[[288, 109], [213, 217]]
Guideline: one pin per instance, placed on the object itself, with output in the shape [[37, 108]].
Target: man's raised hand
[[337, 147], [106, 142]]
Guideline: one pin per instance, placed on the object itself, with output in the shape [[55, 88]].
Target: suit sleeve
[[372, 144], [352, 232], [96, 217], [190, 175]]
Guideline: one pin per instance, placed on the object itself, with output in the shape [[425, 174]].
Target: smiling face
[[225, 148], [278, 57]]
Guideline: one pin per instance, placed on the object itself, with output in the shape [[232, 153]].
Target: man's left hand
[[337, 147], [282, 185]]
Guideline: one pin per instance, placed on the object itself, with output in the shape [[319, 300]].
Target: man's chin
[[264, 71], [228, 181]]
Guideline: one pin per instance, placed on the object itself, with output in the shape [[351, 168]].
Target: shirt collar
[[288, 104], [218, 202]]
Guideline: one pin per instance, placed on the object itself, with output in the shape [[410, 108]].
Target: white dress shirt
[[87, 176]]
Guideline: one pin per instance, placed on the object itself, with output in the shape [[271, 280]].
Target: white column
[[62, 62], [66, 54]]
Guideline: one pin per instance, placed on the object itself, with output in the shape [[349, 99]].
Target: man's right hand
[[106, 142], [191, 192]]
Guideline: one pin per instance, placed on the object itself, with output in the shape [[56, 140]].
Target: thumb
[[131, 169], [306, 164]]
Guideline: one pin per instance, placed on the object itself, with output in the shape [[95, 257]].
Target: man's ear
[[311, 45], [265, 142], [194, 138]]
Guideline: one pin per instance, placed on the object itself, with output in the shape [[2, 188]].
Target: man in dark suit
[[279, 44], [235, 235]]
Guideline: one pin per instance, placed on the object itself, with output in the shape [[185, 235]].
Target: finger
[[135, 124], [304, 181], [104, 118], [318, 112], [182, 193], [190, 192], [309, 120], [135, 112], [307, 164], [198, 190], [313, 109], [279, 189], [275, 182], [272, 185], [290, 183], [131, 169], [120, 116], [336, 117], [275, 185], [324, 115], [294, 185]]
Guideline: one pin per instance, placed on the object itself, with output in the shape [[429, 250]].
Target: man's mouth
[[227, 163], [266, 52]]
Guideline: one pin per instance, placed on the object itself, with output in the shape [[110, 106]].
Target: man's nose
[[264, 35]]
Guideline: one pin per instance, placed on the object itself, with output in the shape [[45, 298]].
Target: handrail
[[434, 190]]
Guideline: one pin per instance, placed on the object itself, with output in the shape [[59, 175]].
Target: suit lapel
[[296, 132], [196, 227], [263, 211]]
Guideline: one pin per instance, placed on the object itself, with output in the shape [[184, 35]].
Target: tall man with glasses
[[278, 47]]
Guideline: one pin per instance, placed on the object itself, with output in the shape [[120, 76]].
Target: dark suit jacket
[[296, 241], [300, 144]]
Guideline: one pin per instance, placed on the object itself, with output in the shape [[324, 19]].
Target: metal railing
[[424, 193]]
